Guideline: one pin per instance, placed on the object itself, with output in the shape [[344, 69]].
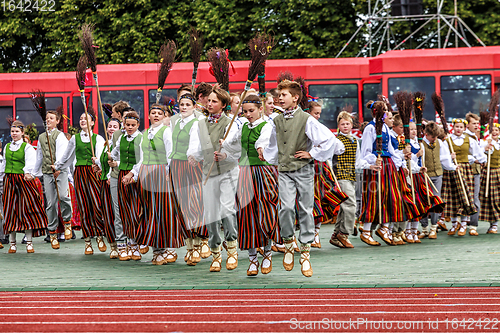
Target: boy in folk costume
[[490, 205], [257, 200], [22, 204], [345, 169], [296, 140], [437, 158], [467, 150], [471, 131], [45, 157], [201, 94], [220, 188]]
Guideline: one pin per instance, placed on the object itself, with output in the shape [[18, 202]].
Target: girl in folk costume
[[127, 151], [257, 201], [434, 204], [490, 204], [387, 203], [187, 178], [220, 188], [162, 227], [22, 205], [103, 170], [51, 146], [82, 148], [471, 131], [454, 194]]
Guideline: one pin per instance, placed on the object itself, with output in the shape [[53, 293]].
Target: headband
[[371, 105], [459, 120], [496, 125], [251, 102], [131, 117], [157, 108], [18, 126], [188, 97], [115, 119]]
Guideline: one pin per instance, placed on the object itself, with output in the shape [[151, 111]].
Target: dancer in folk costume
[[257, 195], [220, 188], [296, 140], [471, 131], [387, 203], [345, 169], [82, 148], [51, 146], [22, 206], [187, 177], [490, 204], [103, 171], [454, 194], [127, 151], [162, 227]]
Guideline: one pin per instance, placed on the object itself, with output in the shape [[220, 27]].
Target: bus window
[[133, 97], [77, 109], [5, 111], [335, 97], [414, 84], [465, 93], [166, 95], [25, 111], [370, 93]]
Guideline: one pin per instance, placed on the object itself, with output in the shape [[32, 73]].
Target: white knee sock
[[12, 237], [29, 235]]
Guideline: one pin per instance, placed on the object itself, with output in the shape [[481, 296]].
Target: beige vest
[[116, 135], [291, 137], [433, 160], [46, 160], [462, 151]]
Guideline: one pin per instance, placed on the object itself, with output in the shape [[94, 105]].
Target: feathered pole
[[88, 46], [304, 101], [379, 124], [260, 49], [403, 102], [493, 107], [261, 79], [418, 108], [196, 41], [38, 100], [439, 106], [81, 68], [286, 75], [166, 59]]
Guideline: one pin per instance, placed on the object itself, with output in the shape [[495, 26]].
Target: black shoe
[[24, 240], [4, 240], [74, 235], [47, 239]]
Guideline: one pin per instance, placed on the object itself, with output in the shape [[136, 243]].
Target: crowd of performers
[[279, 170]]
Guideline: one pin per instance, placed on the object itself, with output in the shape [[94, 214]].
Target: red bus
[[466, 78]]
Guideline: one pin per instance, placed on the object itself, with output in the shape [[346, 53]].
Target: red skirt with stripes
[[76, 221], [107, 211], [89, 201], [22, 206], [257, 206], [162, 225], [327, 196], [436, 204], [131, 211], [187, 182], [396, 202]]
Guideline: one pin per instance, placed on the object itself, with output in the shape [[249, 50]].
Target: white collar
[[136, 133], [470, 133], [255, 123], [188, 119], [85, 133], [454, 137], [18, 142]]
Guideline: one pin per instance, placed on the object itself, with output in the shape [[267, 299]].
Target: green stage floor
[[446, 261]]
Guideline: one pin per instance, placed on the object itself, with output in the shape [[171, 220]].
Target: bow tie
[[129, 136], [432, 145], [214, 118], [288, 113]]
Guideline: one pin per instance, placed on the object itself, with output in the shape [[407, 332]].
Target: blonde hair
[[345, 116]]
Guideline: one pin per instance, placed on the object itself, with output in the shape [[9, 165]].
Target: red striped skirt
[[327, 196], [22, 206], [453, 194], [490, 206], [257, 206], [131, 211], [107, 211], [187, 182], [396, 202], [76, 222], [436, 203], [162, 225], [89, 201]]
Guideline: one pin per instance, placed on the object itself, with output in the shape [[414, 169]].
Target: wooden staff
[[488, 170], [81, 68], [333, 174], [458, 171], [493, 107], [430, 181], [379, 188]]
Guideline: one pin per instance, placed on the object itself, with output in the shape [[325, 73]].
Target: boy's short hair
[[184, 87], [222, 95], [292, 86], [470, 116], [345, 116], [432, 129], [119, 106], [274, 93], [397, 121], [204, 89]]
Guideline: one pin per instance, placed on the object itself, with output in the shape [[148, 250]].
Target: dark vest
[[345, 164]]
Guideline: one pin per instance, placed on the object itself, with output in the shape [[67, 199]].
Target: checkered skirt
[[453, 195], [490, 206]]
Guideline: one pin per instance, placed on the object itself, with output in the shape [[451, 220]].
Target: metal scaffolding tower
[[378, 24]]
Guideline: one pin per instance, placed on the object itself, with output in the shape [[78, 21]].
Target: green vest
[[462, 151], [83, 151], [116, 135], [210, 134], [46, 158], [153, 151], [104, 163], [433, 159], [495, 159], [129, 151], [291, 137], [249, 155], [476, 168], [14, 160], [180, 140]]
